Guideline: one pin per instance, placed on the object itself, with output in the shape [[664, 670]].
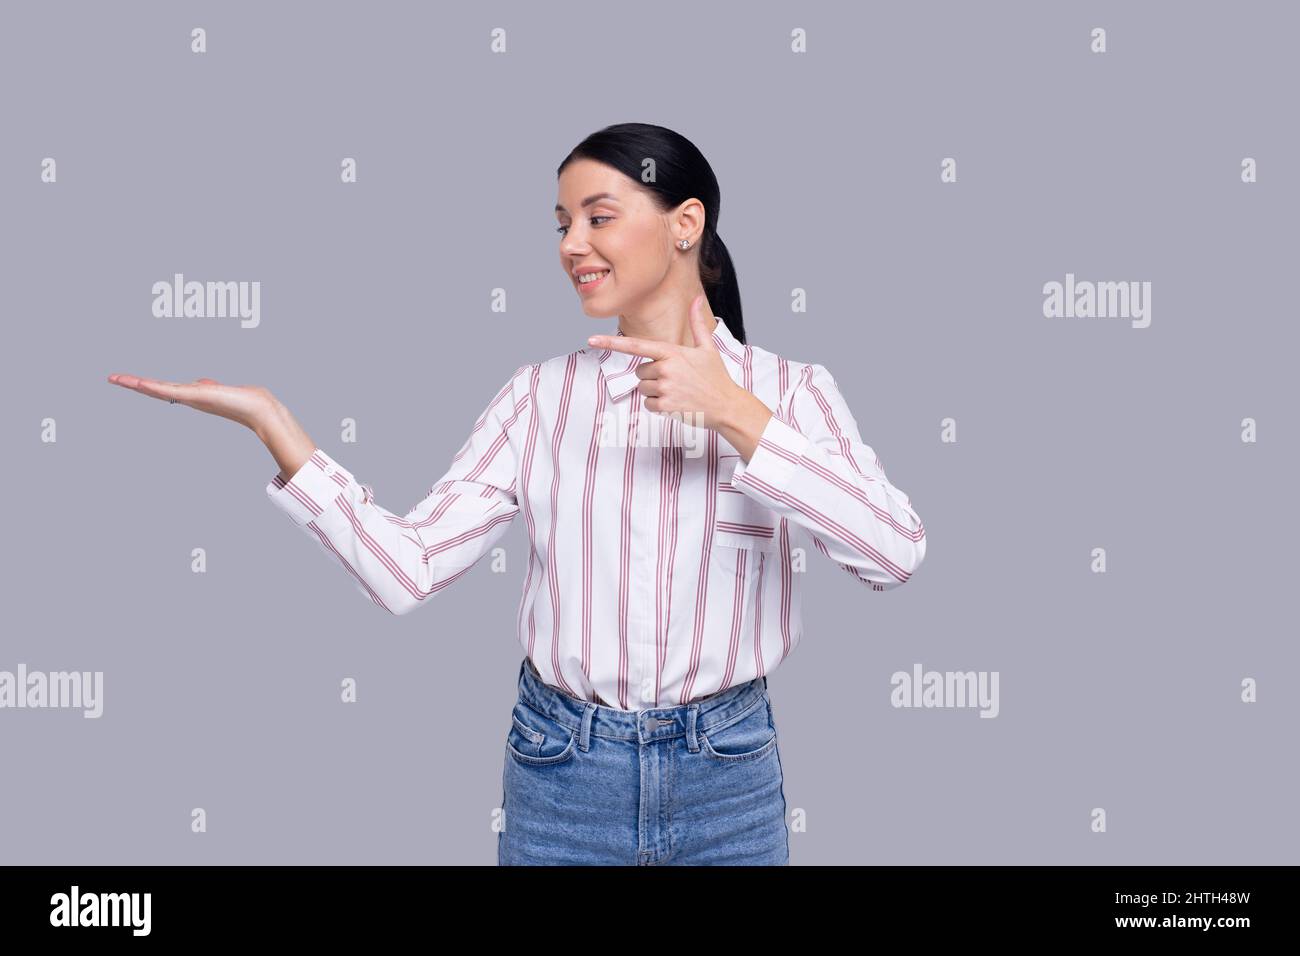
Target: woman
[[672, 479]]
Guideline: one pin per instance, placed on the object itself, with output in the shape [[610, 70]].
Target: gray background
[[925, 300]]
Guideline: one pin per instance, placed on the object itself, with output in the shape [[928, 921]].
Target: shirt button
[[329, 471]]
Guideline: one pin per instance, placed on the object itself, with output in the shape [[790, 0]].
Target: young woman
[[672, 479]]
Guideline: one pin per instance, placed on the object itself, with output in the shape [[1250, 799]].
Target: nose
[[572, 247], [574, 239]]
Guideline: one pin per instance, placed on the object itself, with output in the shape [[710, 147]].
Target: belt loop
[[584, 737], [692, 712]]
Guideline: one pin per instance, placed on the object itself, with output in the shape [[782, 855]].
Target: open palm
[[246, 404]]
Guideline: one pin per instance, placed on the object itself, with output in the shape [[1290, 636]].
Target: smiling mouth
[[592, 283]]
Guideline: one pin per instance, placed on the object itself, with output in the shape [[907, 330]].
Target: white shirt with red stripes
[[662, 568]]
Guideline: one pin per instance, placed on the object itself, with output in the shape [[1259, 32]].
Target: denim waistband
[[708, 713]]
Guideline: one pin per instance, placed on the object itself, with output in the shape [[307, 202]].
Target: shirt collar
[[619, 368]]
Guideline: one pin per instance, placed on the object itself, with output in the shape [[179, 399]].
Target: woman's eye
[[561, 229]]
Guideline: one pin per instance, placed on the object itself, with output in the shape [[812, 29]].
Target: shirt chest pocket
[[740, 521]]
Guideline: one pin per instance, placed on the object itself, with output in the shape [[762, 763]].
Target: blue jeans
[[698, 784]]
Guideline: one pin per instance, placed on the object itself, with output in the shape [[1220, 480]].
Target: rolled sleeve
[[812, 467], [312, 488], [400, 561], [773, 462]]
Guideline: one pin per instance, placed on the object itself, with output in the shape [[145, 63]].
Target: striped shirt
[[662, 567]]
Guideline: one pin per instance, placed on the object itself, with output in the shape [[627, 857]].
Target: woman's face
[[619, 233]]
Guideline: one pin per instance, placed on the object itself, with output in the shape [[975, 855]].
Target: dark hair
[[681, 173]]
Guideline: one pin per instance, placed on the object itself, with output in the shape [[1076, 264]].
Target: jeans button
[[651, 724]]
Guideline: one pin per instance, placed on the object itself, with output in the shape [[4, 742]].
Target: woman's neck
[[673, 328]]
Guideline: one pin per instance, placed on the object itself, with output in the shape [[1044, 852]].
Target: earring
[[685, 244]]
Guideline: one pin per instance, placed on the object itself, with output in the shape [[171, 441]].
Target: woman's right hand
[[250, 405]]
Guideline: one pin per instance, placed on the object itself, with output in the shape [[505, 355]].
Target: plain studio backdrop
[[1025, 442]]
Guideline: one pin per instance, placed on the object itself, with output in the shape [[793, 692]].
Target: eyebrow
[[589, 200]]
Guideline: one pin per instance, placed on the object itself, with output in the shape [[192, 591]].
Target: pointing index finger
[[632, 346]]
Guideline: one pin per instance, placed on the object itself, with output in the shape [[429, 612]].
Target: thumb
[[206, 381], [701, 324]]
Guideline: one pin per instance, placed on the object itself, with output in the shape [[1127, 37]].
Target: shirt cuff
[[311, 490], [775, 458]]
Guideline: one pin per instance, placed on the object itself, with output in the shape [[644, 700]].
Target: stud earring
[[685, 244]]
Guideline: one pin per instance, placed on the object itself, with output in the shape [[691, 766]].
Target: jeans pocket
[[538, 740], [752, 735]]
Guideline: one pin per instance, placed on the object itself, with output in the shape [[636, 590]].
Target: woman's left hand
[[691, 380]]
